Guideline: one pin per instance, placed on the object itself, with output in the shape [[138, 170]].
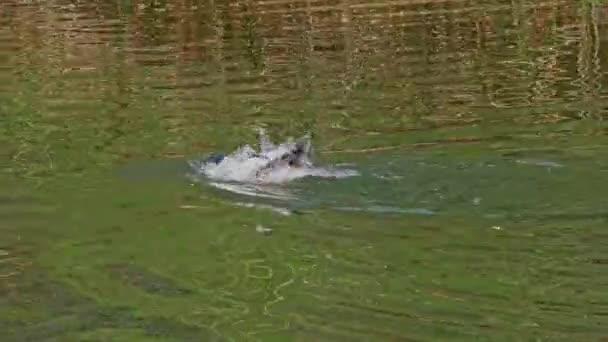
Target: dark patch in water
[[64, 326], [148, 281], [12, 200], [63, 312], [163, 327]]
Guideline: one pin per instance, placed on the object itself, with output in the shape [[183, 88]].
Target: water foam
[[246, 165]]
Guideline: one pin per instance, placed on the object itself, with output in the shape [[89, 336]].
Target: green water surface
[[478, 129]]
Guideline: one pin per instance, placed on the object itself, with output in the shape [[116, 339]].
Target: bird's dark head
[[299, 154]]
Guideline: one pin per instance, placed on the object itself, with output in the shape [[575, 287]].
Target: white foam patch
[[279, 210], [254, 190], [538, 162], [386, 209], [245, 165]]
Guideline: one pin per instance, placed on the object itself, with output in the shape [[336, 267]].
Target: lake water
[[478, 130]]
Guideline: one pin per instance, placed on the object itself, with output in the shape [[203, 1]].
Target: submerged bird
[[289, 154], [273, 163]]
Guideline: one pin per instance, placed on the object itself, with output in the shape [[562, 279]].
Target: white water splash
[[255, 190], [273, 164], [539, 162]]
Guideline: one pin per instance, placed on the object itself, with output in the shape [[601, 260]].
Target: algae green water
[[478, 129]]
